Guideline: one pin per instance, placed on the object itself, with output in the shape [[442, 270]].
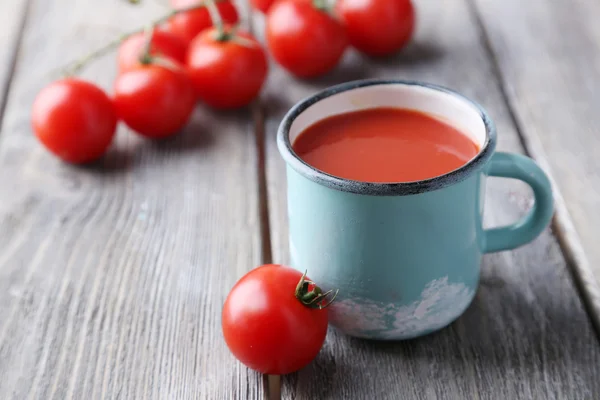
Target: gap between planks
[[258, 115], [562, 223], [271, 383], [13, 59]]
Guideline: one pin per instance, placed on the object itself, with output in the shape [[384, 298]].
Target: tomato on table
[[228, 70], [274, 320], [74, 119], [377, 27], [163, 43], [154, 100], [304, 38], [187, 25]]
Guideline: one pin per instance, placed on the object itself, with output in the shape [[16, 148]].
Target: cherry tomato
[[154, 100], [268, 327], [377, 27], [227, 72], [163, 43], [262, 5], [303, 39], [74, 119], [189, 24]]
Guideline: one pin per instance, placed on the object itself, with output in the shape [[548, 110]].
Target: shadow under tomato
[[275, 104], [416, 53], [356, 66], [349, 69], [130, 150]]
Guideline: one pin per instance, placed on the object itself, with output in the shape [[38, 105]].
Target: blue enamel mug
[[405, 256]]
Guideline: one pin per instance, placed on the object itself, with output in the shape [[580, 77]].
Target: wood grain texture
[[112, 277], [549, 63], [526, 335], [12, 18]]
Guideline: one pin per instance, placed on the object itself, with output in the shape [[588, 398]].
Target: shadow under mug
[[405, 256]]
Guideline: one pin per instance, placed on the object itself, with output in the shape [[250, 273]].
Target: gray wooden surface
[[12, 15], [112, 276], [549, 62], [527, 334]]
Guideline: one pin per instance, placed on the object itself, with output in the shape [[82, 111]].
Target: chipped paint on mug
[[440, 301]]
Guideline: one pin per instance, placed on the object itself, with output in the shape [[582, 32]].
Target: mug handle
[[509, 165]]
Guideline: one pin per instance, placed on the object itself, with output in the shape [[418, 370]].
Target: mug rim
[[382, 188]]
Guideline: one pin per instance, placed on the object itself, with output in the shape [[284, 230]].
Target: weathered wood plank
[[12, 16], [112, 277], [549, 62], [526, 335]]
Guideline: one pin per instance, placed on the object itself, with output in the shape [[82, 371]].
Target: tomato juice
[[384, 145]]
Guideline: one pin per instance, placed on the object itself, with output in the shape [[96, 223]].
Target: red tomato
[[153, 100], [377, 27], [305, 40], [266, 325], [74, 119], [227, 73], [189, 24], [262, 5], [163, 43]]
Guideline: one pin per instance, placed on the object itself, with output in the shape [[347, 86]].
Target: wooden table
[[112, 276]]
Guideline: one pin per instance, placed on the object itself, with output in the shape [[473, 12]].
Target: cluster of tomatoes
[[274, 319], [198, 54]]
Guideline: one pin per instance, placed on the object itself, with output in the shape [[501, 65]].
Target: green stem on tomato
[[313, 298], [321, 5], [217, 20], [77, 66], [145, 57]]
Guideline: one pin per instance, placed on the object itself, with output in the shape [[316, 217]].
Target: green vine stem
[[145, 56], [217, 20], [225, 34], [77, 66], [321, 5]]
